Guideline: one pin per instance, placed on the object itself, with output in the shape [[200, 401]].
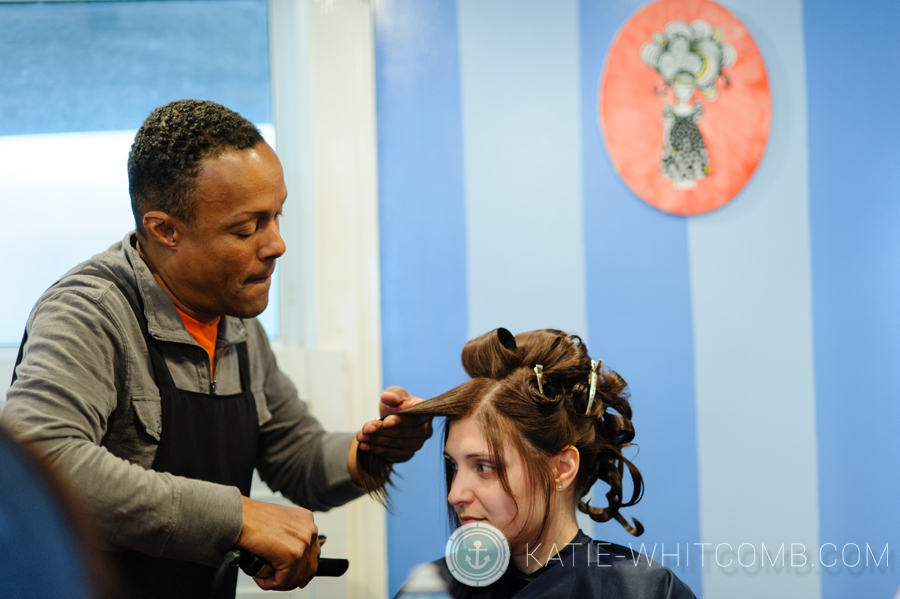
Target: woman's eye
[[485, 468]]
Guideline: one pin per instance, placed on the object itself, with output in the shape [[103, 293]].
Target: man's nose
[[275, 246]]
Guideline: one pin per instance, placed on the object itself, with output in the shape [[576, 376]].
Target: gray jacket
[[85, 355]]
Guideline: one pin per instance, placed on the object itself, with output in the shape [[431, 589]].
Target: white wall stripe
[[751, 287], [519, 73]]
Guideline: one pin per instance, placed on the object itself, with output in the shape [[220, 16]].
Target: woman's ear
[[566, 462]]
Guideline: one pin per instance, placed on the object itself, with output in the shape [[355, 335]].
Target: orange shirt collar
[[204, 334]]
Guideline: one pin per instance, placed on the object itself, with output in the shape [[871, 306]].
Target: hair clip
[[595, 366], [539, 371]]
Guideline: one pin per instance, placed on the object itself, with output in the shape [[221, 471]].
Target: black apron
[[204, 436]]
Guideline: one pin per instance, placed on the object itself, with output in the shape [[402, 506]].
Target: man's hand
[[395, 437], [286, 537]]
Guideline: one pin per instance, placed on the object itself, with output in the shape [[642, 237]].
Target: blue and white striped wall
[[760, 341]]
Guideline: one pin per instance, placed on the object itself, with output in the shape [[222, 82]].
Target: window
[[78, 80]]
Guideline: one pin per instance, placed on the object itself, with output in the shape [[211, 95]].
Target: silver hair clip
[[595, 367], [539, 371]]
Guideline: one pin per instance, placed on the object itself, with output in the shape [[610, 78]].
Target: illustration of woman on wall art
[[688, 58]]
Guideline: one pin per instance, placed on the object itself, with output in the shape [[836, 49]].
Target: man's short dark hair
[[164, 161]]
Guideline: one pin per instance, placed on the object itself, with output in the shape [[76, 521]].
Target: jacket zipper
[[212, 382]]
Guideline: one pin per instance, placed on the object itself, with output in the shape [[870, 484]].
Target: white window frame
[[323, 94]]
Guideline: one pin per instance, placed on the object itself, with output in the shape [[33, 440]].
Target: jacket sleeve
[[75, 363], [297, 457]]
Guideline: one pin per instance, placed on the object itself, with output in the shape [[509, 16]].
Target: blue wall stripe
[[521, 130], [639, 315], [423, 278], [750, 281], [854, 216]]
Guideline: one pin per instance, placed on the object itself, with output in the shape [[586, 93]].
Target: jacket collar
[[163, 321]]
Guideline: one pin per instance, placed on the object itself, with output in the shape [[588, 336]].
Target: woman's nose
[[460, 491]]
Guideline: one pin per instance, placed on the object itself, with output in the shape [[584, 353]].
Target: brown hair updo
[[503, 395]]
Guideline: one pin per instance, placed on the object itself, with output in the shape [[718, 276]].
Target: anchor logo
[[477, 554], [477, 550]]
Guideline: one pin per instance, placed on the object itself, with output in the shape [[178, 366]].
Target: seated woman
[[526, 438]]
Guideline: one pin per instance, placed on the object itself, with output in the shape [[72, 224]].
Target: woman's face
[[476, 494], [683, 88]]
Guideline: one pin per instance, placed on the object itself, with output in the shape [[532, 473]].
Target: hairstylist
[[145, 378]]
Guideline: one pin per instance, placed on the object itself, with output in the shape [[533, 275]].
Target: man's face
[[224, 261]]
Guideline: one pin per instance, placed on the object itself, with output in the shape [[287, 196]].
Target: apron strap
[[244, 365], [19, 356]]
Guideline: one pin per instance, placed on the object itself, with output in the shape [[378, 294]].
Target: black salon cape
[[610, 574]]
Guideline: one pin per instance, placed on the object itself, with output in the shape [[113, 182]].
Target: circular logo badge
[[684, 105], [477, 554]]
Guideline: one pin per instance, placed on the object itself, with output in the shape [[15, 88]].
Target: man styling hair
[[146, 380]]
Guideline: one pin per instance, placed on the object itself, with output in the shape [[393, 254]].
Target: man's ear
[[161, 229], [567, 462]]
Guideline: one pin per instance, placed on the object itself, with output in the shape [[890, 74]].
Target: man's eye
[[247, 229]]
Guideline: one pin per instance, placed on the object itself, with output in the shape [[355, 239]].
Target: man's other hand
[[286, 537]]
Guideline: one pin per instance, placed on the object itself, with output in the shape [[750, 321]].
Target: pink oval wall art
[[684, 105]]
